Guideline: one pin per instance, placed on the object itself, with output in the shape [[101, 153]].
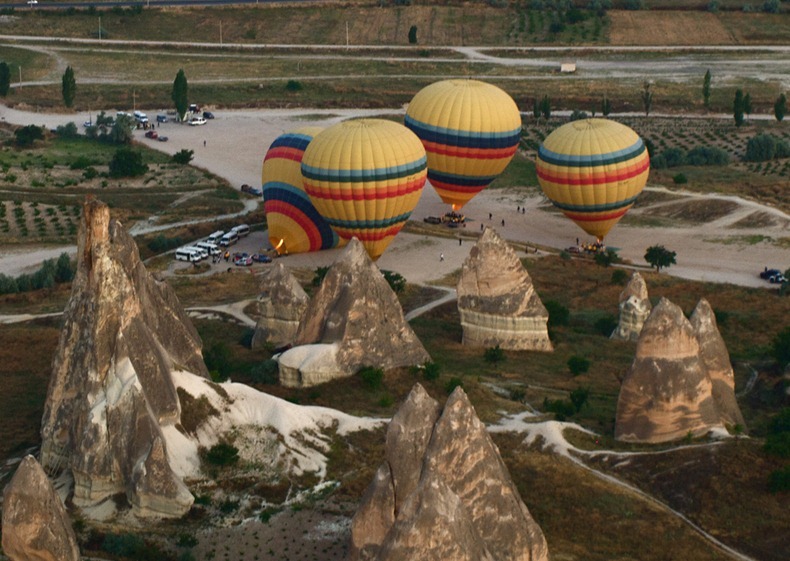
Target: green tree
[[781, 348], [127, 163], [737, 107], [606, 106], [780, 107], [183, 156], [64, 269], [747, 104], [121, 131], [26, 136], [68, 86], [706, 89], [579, 397], [180, 95], [5, 78], [761, 148], [578, 365], [660, 257], [536, 108], [545, 107], [647, 98], [413, 35]]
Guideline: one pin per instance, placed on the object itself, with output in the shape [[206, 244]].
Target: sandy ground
[[236, 141]]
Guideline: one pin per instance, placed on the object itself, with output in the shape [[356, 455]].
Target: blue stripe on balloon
[[591, 160], [362, 175], [595, 208], [276, 191], [460, 180], [292, 140], [464, 139], [368, 224]]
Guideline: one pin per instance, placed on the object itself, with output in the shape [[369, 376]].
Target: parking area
[[255, 243]]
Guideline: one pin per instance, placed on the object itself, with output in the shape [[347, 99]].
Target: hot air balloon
[[365, 177], [294, 224], [593, 170], [470, 131]]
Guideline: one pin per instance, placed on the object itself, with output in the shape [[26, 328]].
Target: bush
[[266, 372], [294, 86], [579, 398], [26, 136], [680, 179], [606, 258], [160, 243], [217, 359], [90, 173], [372, 377], [395, 280], [561, 408], [222, 454], [124, 545], [127, 163], [453, 383], [430, 370], [707, 156], [69, 130], [779, 480], [186, 540], [606, 325], [578, 365], [318, 275], [780, 348], [619, 276], [494, 355], [558, 314], [760, 148], [183, 156]]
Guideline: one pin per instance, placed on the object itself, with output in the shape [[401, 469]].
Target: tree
[[647, 98], [747, 104], [127, 163], [706, 89], [69, 86], [780, 107], [536, 109], [413, 35], [5, 79], [26, 136], [121, 131], [183, 156], [660, 257], [737, 107], [606, 106], [781, 347], [545, 107], [180, 95]]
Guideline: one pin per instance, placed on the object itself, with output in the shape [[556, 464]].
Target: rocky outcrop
[[443, 492], [281, 303], [634, 309], [111, 389], [36, 526], [496, 299], [666, 394], [353, 320], [716, 361]]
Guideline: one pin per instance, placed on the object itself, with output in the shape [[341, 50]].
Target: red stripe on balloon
[[621, 174], [370, 235], [592, 217], [292, 212], [472, 153], [285, 153], [339, 194]]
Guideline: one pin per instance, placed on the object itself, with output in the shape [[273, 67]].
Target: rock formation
[[666, 394], [634, 309], [496, 299], [36, 526], [716, 361], [111, 389], [443, 492], [353, 320], [281, 303]]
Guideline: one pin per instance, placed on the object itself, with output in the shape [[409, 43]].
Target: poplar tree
[[69, 86], [180, 95]]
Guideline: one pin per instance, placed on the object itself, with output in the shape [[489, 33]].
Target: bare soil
[[639, 27]]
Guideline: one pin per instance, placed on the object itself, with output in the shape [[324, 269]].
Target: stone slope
[[111, 388], [281, 303], [443, 492], [635, 307], [496, 299]]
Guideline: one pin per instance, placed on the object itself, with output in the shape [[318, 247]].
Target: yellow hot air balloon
[[593, 170], [294, 224], [365, 177], [470, 130]]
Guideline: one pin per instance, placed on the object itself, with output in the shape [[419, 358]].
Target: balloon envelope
[[470, 130], [593, 170], [294, 224], [365, 177]]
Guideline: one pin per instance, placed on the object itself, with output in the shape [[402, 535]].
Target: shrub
[[222, 454], [680, 179], [90, 173], [372, 377], [161, 243], [294, 86], [217, 359], [779, 480], [431, 370], [26, 136], [561, 408], [69, 130], [760, 148], [606, 325], [578, 365], [494, 355], [780, 348], [318, 275], [127, 163], [579, 398], [265, 372], [619, 276], [395, 280], [186, 540], [123, 545], [183, 156], [558, 314], [453, 383], [707, 156], [606, 258]]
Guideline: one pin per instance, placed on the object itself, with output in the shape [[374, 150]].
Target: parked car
[[778, 278], [32, 2], [197, 121], [163, 139], [767, 273], [152, 134], [261, 258], [243, 261], [161, 118], [208, 115]]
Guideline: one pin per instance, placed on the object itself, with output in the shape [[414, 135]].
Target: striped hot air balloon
[[294, 224], [365, 177], [593, 170], [470, 130]]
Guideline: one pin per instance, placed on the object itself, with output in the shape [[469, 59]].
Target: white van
[[185, 254], [241, 230], [229, 239], [140, 117], [202, 252], [212, 248], [215, 237]]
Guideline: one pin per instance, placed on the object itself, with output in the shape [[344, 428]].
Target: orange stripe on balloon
[[339, 194], [474, 153], [370, 235], [595, 179], [596, 217]]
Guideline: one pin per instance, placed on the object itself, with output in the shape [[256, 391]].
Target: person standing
[[441, 257]]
